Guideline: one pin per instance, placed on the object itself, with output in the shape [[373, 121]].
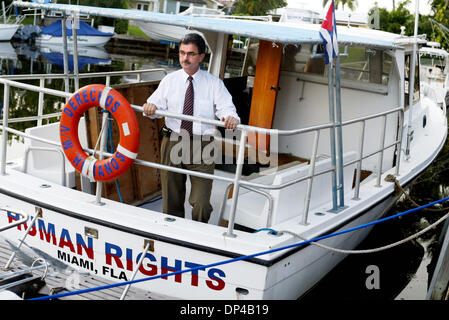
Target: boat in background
[[168, 33], [7, 31], [434, 72], [11, 23], [87, 35], [331, 164], [172, 33]]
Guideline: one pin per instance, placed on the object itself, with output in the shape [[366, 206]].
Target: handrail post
[[5, 125], [381, 151], [11, 258], [359, 162], [75, 50], [310, 180], [399, 145], [145, 250], [237, 177], [40, 106], [65, 53], [103, 138]]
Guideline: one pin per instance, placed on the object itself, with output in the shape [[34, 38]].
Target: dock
[[439, 288], [58, 279], [122, 43]]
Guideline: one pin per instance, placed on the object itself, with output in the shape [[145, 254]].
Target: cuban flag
[[328, 33]]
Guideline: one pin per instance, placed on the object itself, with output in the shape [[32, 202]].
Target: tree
[[392, 21], [440, 9], [256, 7], [352, 4]]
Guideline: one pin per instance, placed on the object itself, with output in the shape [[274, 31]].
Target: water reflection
[[49, 59], [86, 56], [20, 58], [8, 58]]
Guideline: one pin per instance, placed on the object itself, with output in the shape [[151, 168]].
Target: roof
[[194, 1], [434, 51], [271, 31], [226, 3]]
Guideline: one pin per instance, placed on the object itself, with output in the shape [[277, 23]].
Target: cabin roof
[[434, 51], [270, 31]]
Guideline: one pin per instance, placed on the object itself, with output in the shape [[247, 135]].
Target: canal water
[[400, 273]]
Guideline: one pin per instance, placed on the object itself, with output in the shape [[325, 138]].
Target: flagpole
[[332, 136], [339, 133]]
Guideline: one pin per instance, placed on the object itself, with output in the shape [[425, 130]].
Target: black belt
[[166, 132]]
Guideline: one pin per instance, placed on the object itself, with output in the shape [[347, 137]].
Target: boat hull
[[92, 41], [7, 31], [68, 240], [312, 263], [162, 32]]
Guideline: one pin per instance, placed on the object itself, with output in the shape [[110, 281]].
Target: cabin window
[[365, 65], [360, 64], [435, 61], [408, 61], [183, 7], [299, 59], [144, 6]]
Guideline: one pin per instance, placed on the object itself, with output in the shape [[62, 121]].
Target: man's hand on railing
[[149, 109], [230, 122]]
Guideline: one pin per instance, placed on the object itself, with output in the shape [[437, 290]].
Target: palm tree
[[352, 4]]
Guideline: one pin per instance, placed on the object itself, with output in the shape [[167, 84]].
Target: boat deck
[[59, 281]]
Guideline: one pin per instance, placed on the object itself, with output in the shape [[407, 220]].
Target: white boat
[[295, 196], [11, 23], [434, 72], [86, 35], [173, 33], [7, 31]]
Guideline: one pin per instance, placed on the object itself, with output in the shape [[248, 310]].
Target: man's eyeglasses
[[189, 54]]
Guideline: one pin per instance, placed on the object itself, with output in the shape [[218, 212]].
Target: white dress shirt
[[211, 98]]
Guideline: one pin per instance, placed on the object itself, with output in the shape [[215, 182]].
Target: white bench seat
[[253, 208]]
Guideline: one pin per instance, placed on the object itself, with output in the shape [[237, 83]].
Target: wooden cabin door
[[264, 92]]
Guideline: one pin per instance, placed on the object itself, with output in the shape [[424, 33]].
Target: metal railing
[[16, 223], [237, 181], [58, 76]]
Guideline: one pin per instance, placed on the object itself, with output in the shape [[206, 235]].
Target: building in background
[[176, 6]]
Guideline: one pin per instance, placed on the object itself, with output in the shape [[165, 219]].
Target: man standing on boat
[[190, 91]]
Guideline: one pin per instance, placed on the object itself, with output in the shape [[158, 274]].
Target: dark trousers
[[174, 184]]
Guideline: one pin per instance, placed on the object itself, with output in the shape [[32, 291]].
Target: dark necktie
[[188, 107]]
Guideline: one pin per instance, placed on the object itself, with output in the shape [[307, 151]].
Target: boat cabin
[[275, 85]]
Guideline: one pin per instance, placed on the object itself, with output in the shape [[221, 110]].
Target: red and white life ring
[[109, 99]]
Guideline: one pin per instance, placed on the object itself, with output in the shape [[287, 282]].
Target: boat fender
[[98, 95]]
